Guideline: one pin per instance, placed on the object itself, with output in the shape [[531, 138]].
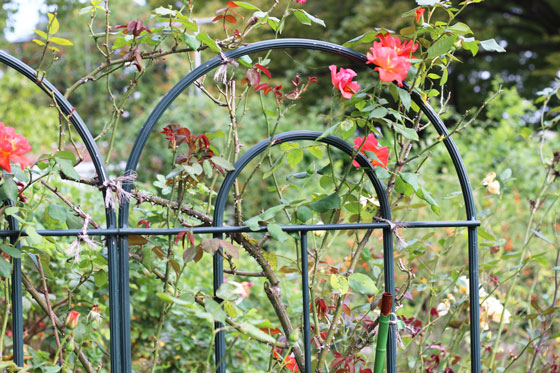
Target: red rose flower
[[420, 14], [72, 319], [342, 80], [403, 49], [12, 148], [371, 145], [391, 66]]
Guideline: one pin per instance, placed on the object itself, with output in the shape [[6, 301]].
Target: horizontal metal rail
[[244, 229]]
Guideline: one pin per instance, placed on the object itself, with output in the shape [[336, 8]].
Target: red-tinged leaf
[[234, 12], [231, 4], [346, 310], [271, 331], [264, 70], [217, 18], [230, 19], [263, 87]]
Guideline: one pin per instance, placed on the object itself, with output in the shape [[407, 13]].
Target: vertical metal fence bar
[[17, 300], [389, 274], [474, 299], [124, 299], [220, 337], [114, 309], [305, 298]]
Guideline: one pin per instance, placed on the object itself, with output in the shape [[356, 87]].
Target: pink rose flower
[[371, 145], [342, 80]]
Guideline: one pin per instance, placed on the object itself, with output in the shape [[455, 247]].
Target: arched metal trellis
[[117, 233]]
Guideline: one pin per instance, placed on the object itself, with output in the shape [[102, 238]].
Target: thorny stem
[[338, 310], [59, 323], [5, 314], [553, 304], [50, 310]]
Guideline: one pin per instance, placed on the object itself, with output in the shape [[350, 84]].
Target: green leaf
[[460, 28], [302, 17], [441, 46], [53, 24], [11, 251], [85, 10], [9, 189], [246, 61], [67, 168], [41, 34], [190, 25], [327, 203], [164, 11], [245, 5], [404, 188], [328, 132], [207, 40], [313, 18], [362, 284], [411, 179], [253, 223], [470, 45], [316, 151], [426, 196], [382, 173], [170, 299], [65, 154], [226, 292], [294, 157], [304, 213], [216, 310], [5, 268], [223, 163], [275, 166], [74, 221], [57, 213], [256, 332], [405, 97], [277, 233], [289, 145], [408, 133], [491, 45], [366, 38], [339, 284], [33, 236], [192, 42], [207, 166], [378, 112], [60, 41]]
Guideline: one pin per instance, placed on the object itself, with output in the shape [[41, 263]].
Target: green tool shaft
[[381, 349]]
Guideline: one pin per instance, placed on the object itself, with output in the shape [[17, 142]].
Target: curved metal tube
[[384, 209], [355, 56], [93, 151]]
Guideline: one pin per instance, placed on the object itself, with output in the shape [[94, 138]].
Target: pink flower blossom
[[371, 145], [301, 1], [391, 66], [403, 49], [342, 80], [72, 319], [12, 148]]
